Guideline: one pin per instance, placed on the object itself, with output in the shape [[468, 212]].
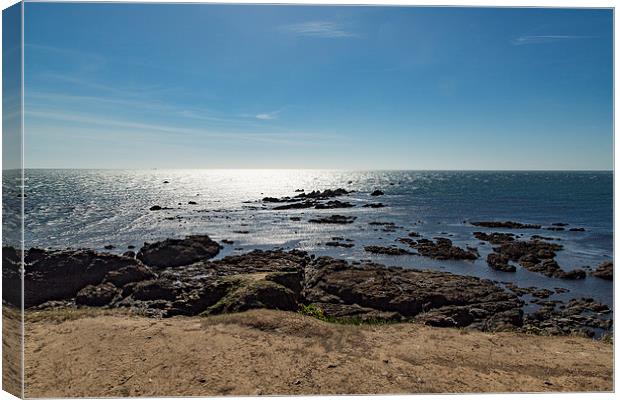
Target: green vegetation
[[312, 310]]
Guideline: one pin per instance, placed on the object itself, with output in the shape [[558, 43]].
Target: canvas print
[[230, 199]]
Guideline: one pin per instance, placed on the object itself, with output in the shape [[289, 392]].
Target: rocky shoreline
[[179, 277]]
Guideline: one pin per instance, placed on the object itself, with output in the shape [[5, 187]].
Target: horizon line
[[315, 169]]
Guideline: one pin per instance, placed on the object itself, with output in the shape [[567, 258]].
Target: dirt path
[[89, 353]]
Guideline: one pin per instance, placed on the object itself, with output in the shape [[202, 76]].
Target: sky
[[229, 86], [11, 88]]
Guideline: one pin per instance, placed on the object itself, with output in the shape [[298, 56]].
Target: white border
[[463, 3]]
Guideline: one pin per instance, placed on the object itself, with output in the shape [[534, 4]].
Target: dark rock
[[374, 205], [155, 208], [176, 252], [495, 237], [192, 202], [391, 251], [333, 219], [331, 284], [156, 289], [573, 318], [11, 276], [327, 193], [377, 193], [440, 249], [536, 256], [586, 304], [297, 206], [605, 271], [339, 244], [290, 280], [573, 275], [505, 224], [500, 262], [97, 296], [109, 247], [228, 241], [542, 293], [61, 274], [554, 228], [308, 199], [131, 273], [249, 294], [130, 254], [577, 230], [333, 204]]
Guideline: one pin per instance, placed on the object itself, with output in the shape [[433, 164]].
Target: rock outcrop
[[436, 298], [440, 249], [390, 251], [285, 281], [495, 237], [581, 316], [61, 274], [176, 252], [605, 271], [333, 219], [534, 255], [315, 199]]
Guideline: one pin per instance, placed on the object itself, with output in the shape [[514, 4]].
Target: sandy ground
[[11, 351], [106, 353]]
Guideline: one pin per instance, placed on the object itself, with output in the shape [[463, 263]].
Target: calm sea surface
[[94, 208]]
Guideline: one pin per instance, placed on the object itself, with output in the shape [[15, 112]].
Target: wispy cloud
[[320, 29], [92, 122], [268, 116], [537, 39]]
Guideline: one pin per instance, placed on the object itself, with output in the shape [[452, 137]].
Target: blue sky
[[214, 86]]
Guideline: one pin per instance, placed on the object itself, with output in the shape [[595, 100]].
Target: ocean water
[[95, 208]]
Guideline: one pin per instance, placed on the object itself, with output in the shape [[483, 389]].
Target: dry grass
[[103, 353]]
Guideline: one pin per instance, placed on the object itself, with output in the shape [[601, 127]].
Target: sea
[[78, 208]]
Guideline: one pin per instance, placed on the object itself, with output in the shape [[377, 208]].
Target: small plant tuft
[[314, 311]]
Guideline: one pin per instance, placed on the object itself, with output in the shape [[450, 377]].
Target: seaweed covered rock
[[254, 291]]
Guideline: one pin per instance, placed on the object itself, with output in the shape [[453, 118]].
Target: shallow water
[[94, 208]]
